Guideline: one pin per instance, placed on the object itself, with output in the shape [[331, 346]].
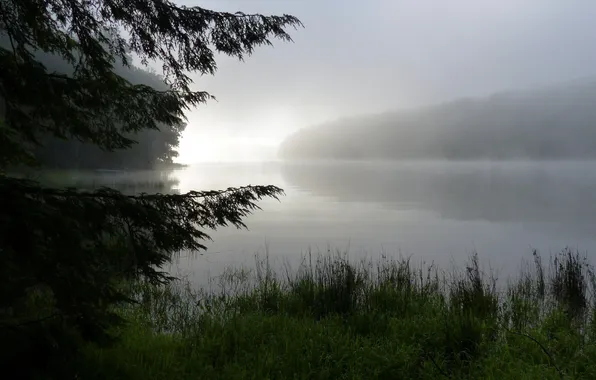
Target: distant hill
[[555, 122]]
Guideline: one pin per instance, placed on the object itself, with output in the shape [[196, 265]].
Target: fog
[[552, 123], [355, 57]]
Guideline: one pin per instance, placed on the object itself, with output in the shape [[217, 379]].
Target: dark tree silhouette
[[65, 253], [152, 147]]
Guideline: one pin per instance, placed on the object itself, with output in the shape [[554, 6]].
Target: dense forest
[[554, 122], [152, 147]]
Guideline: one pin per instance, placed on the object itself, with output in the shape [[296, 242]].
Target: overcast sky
[[356, 57]]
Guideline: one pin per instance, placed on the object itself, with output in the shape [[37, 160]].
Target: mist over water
[[504, 90], [435, 211], [457, 127]]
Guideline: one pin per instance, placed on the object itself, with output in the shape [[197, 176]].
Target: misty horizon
[[355, 59], [263, 149]]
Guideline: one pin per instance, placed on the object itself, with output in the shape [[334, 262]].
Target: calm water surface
[[435, 211]]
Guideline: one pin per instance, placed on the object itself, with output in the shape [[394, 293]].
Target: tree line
[[151, 147], [554, 122]]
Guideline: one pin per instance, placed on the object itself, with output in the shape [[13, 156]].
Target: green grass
[[337, 320]]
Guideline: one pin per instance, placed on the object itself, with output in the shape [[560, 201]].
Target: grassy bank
[[387, 320]]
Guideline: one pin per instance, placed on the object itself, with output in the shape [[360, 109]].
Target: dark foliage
[[90, 240], [86, 35], [570, 283], [151, 147], [64, 254]]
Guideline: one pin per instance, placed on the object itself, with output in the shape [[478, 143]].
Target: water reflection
[[437, 211], [563, 193], [128, 182]]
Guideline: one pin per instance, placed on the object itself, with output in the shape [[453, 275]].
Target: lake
[[437, 212]]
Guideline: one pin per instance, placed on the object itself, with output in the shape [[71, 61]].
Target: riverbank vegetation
[[336, 319]]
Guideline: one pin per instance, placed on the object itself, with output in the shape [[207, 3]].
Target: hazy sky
[[356, 56]]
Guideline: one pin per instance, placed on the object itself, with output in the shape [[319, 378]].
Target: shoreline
[[331, 319]]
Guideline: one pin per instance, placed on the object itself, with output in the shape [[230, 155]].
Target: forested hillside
[[555, 122], [152, 147]]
